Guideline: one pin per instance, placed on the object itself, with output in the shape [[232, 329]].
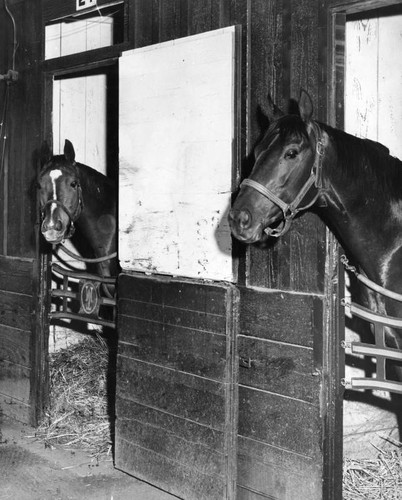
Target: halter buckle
[[319, 148]]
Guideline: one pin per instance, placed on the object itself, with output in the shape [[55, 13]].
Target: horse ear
[[45, 153], [273, 112], [305, 106], [69, 152]]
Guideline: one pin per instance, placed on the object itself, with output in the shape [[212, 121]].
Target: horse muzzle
[[56, 232], [242, 226]]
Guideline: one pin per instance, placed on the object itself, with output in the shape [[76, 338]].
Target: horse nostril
[[244, 219], [240, 217], [58, 226]]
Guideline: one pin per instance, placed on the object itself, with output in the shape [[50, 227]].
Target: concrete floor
[[29, 471]]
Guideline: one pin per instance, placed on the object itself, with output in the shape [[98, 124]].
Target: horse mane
[[97, 185], [367, 163]]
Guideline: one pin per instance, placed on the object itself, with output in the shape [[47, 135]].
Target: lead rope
[[92, 261], [84, 259], [368, 282]]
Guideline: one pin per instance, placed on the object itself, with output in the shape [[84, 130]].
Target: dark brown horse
[[353, 184], [78, 202]]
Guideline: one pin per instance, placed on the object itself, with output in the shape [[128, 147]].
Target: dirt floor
[[29, 471]]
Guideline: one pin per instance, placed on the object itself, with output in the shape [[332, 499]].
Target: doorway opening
[[372, 110], [82, 355]]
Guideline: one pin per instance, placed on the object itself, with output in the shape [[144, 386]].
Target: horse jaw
[[54, 237]]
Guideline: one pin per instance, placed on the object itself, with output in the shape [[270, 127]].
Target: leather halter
[[290, 210], [72, 216]]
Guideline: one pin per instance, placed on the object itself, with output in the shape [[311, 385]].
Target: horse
[[78, 203], [353, 184]]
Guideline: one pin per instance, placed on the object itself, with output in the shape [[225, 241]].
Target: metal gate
[[379, 350], [83, 297]]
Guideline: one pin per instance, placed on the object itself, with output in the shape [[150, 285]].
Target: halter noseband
[[72, 216], [290, 210]]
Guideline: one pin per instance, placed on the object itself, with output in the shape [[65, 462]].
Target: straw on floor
[[78, 416], [377, 479]]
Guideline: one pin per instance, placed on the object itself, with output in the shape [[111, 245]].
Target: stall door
[[176, 409]]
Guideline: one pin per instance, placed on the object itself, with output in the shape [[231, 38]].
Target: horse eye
[[74, 184], [291, 154]]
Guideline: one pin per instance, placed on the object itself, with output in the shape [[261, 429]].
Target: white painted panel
[[175, 144], [52, 41], [79, 114], [67, 38], [390, 83], [373, 107], [361, 78]]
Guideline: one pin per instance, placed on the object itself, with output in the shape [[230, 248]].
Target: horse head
[[60, 195], [285, 178]]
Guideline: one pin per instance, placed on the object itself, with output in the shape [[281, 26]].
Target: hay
[[375, 479], [77, 416]]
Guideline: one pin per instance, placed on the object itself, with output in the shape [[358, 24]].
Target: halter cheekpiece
[[72, 216], [290, 210]]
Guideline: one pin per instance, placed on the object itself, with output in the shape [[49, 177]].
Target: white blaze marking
[[54, 175]]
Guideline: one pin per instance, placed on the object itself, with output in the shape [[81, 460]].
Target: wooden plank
[[174, 316], [268, 472], [200, 16], [172, 13], [294, 263], [16, 310], [180, 394], [304, 47], [176, 403], [283, 422], [16, 275], [173, 446], [279, 368], [15, 346], [186, 429], [284, 317], [200, 353], [15, 409], [15, 382], [178, 479], [168, 292]]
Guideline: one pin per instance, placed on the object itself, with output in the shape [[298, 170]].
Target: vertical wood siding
[[20, 360]]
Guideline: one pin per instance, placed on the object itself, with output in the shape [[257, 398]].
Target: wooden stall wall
[[289, 425], [284, 374], [21, 361]]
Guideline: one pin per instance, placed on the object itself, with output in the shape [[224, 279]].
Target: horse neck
[[358, 211], [99, 207]]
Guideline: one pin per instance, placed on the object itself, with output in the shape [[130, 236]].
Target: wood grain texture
[[279, 316], [16, 321], [266, 471], [176, 402], [285, 423], [278, 368]]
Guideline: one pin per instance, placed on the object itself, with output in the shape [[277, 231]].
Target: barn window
[[96, 28]]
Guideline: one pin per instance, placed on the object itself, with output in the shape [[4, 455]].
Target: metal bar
[[83, 275], [57, 292], [107, 302], [364, 313], [373, 350], [380, 343], [372, 383], [85, 319]]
